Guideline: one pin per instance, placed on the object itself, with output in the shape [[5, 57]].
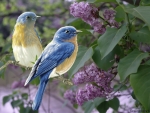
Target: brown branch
[[15, 63]]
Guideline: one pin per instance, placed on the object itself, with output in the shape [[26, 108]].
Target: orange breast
[[25, 36], [67, 64]]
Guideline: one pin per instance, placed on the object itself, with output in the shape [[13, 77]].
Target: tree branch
[[15, 63]]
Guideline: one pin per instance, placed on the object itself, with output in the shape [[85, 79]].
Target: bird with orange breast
[[26, 42], [56, 59]]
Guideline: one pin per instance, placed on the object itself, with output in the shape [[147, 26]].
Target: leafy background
[[124, 50]]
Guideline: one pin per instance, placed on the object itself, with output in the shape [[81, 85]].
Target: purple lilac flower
[[103, 80], [86, 75], [88, 93], [91, 74], [88, 14], [109, 15], [70, 95]]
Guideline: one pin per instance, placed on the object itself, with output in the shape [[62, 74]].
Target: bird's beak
[[38, 16], [78, 31]]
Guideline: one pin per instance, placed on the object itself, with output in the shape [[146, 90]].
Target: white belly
[[26, 56]]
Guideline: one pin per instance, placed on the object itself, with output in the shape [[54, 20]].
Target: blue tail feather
[[39, 95]]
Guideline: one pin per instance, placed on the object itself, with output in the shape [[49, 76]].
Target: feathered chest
[[24, 36]]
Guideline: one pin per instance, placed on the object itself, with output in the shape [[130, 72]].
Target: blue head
[[27, 18], [66, 33]]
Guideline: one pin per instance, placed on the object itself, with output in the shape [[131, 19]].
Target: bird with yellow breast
[[56, 59], [26, 43]]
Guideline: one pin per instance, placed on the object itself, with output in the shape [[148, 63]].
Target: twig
[[15, 63]]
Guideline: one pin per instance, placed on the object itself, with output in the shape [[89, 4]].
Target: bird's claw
[[67, 81], [15, 62]]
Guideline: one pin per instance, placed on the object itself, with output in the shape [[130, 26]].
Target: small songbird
[[57, 58], [26, 43]]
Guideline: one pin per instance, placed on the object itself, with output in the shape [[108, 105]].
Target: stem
[[13, 62]]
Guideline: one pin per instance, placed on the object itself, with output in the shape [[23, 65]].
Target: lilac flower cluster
[[91, 74], [86, 75], [109, 16], [89, 92], [18, 84], [88, 14], [70, 95]]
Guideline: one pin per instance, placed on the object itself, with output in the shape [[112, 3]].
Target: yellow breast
[[25, 36], [67, 64]]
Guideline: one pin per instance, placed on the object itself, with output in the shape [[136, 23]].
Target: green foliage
[[143, 35], [19, 100], [110, 39], [120, 14], [83, 56], [107, 62], [140, 83], [130, 63]]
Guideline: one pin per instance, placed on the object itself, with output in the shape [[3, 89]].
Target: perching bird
[[26, 43], [57, 58]]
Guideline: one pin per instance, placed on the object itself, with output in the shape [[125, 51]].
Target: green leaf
[[36, 81], [82, 57], [105, 0], [97, 101], [120, 14], [26, 109], [110, 39], [6, 99], [114, 103], [147, 62], [140, 83], [130, 63], [141, 12], [91, 1], [145, 2], [16, 103], [143, 35], [103, 107], [121, 87], [88, 106], [107, 62], [24, 96]]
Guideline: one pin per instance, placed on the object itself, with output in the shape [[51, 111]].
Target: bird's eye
[[27, 17], [66, 31]]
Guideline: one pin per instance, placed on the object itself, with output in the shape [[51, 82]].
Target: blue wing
[[38, 35], [52, 56]]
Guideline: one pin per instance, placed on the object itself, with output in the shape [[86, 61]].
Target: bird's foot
[[15, 62]]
